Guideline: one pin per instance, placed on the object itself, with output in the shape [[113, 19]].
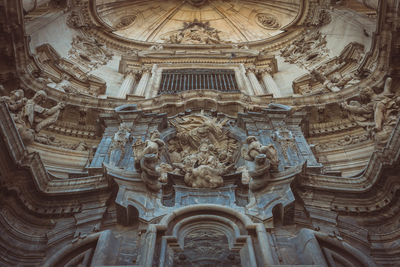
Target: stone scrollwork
[[202, 151], [267, 21], [377, 113], [265, 159]]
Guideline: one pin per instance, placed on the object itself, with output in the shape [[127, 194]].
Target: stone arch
[[80, 252], [241, 241], [127, 215], [326, 250]]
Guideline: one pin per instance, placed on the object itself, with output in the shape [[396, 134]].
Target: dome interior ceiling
[[225, 21]]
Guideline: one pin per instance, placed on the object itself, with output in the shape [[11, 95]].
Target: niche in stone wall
[[206, 245]]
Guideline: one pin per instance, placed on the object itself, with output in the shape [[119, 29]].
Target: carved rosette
[[267, 21], [125, 21]]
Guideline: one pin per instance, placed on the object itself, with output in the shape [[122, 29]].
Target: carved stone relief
[[29, 116], [334, 74], [202, 151], [118, 143], [88, 53], [342, 142], [125, 21], [309, 50], [209, 246], [148, 161], [267, 21], [265, 159], [195, 32], [75, 21], [376, 112]]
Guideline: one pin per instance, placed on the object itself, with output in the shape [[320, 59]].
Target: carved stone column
[[127, 85], [249, 88], [257, 88], [239, 79], [269, 83], [144, 80], [157, 81]]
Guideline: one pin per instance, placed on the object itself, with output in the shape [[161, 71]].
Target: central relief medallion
[[202, 150]]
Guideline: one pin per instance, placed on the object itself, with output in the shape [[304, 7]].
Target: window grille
[[178, 80]]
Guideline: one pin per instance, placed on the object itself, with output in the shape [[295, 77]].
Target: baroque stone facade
[[199, 133]]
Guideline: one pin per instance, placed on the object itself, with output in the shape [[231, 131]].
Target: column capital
[[264, 70], [251, 69], [134, 72]]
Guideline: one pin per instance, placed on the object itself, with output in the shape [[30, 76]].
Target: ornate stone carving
[[377, 113], [342, 142], [267, 21], [15, 101], [321, 17], [88, 52], [125, 21], [75, 21], [265, 159], [202, 151], [117, 148], [195, 32], [52, 141], [30, 117], [336, 81], [306, 51], [148, 161]]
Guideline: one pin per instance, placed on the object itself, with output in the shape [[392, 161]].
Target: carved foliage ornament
[[267, 21]]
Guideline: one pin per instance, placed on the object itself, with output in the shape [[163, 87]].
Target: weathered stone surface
[[218, 133]]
